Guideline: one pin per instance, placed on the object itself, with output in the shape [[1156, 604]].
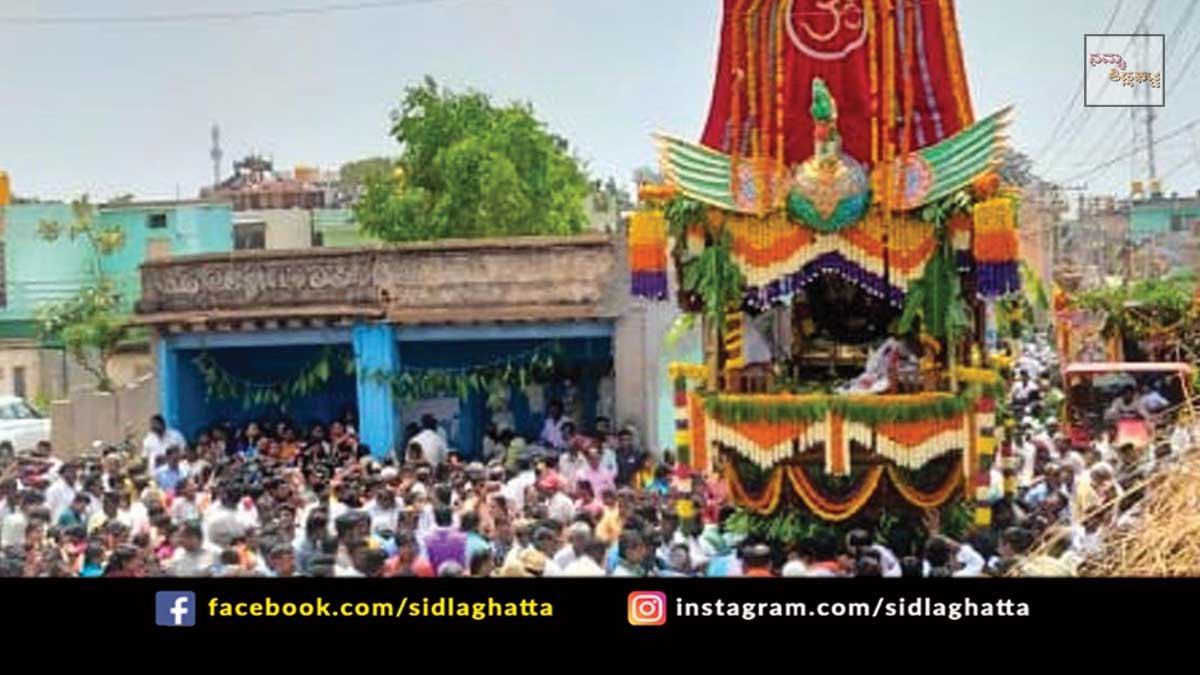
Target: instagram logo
[[647, 608]]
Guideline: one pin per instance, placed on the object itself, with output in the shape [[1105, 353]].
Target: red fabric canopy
[[772, 49]]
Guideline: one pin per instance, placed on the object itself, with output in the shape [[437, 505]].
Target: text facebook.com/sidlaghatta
[[423, 608]]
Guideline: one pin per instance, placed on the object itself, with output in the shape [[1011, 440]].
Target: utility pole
[[1056, 207], [1146, 128]]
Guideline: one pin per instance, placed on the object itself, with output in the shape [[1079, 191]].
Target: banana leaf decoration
[[936, 298]]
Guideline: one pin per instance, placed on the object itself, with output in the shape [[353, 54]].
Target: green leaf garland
[[410, 384], [860, 409], [220, 384]]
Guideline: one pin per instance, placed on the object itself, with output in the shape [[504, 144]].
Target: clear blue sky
[[110, 109]]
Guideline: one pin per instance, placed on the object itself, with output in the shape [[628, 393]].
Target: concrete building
[[1095, 244], [257, 185], [1164, 232], [37, 271], [446, 305], [281, 229]]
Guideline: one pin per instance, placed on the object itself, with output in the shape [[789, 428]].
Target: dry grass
[[1165, 540]]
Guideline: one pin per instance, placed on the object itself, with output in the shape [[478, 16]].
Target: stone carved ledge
[[562, 271]]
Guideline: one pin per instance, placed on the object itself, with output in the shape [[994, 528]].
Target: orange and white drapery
[[881, 256], [912, 445], [767, 443], [835, 425]]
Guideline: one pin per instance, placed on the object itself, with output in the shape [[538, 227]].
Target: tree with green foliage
[[470, 168], [1163, 308], [88, 324], [355, 175]]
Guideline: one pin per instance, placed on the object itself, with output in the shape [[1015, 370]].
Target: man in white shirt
[[571, 464], [1023, 389], [160, 437], [62, 491], [228, 520], [383, 510], [183, 506], [433, 444], [193, 558], [579, 536], [514, 489], [589, 564], [1126, 406], [858, 540], [552, 432], [12, 529]]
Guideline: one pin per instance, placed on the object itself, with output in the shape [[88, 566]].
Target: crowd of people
[[1072, 492], [279, 500]]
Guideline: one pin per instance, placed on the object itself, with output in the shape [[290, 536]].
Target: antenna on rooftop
[[216, 154]]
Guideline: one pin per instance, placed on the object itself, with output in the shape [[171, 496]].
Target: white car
[[21, 425]]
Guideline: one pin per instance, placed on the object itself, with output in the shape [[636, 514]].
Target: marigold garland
[[926, 500], [996, 248], [649, 192], [690, 371], [766, 502], [969, 375], [996, 231], [835, 510], [648, 254]]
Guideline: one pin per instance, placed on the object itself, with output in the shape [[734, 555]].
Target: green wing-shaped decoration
[[939, 170], [697, 172]]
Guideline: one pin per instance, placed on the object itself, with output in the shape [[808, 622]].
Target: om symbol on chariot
[[826, 29]]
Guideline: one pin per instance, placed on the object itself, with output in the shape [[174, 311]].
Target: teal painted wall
[[190, 229], [37, 271], [1146, 220]]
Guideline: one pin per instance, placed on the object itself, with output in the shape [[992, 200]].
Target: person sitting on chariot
[[1127, 406], [897, 359]]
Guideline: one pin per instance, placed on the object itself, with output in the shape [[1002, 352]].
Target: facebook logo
[[175, 608]]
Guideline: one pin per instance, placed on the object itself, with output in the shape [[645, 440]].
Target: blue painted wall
[[588, 356], [278, 355], [196, 412]]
